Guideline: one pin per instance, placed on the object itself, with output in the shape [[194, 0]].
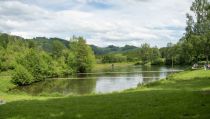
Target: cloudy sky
[[101, 22]]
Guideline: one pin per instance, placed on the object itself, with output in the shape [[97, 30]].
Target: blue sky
[[101, 22]]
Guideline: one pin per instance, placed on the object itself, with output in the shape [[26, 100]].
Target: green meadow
[[181, 95]]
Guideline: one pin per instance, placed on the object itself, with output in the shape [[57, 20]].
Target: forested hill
[[47, 45], [112, 49]]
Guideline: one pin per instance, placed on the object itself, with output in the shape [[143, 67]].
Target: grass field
[[184, 95], [99, 67]]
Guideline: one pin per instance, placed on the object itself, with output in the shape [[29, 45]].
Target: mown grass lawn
[[184, 95]]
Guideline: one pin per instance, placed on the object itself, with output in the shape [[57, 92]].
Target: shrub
[[139, 63], [114, 58], [158, 61], [34, 62], [21, 76], [201, 62]]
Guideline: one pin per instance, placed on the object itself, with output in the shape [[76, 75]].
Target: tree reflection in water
[[99, 82]]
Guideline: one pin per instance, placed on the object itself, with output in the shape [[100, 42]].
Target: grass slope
[[183, 95]]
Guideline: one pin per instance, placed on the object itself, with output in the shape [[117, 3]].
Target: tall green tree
[[81, 55], [34, 62], [4, 40], [145, 53], [197, 30], [58, 48]]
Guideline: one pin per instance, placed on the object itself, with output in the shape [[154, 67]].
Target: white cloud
[[102, 22]]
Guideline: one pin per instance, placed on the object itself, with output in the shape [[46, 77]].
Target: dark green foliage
[[46, 44], [194, 46], [61, 67], [1, 58], [43, 57], [145, 54], [71, 61], [113, 58], [31, 44], [4, 40], [149, 54], [57, 48], [112, 49], [22, 76], [82, 57], [7, 60], [158, 61], [132, 56], [202, 63], [35, 64]]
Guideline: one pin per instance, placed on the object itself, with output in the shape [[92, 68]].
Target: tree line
[[193, 47], [145, 54], [31, 63]]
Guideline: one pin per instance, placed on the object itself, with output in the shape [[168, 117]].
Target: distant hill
[[112, 49], [46, 44]]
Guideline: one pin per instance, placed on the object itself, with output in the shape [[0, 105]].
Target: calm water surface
[[102, 81]]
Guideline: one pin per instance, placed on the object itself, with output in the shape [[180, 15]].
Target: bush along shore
[[31, 63]]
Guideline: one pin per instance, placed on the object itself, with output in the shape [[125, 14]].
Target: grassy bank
[[108, 66], [182, 95]]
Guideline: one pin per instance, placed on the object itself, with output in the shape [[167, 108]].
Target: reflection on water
[[99, 82]]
